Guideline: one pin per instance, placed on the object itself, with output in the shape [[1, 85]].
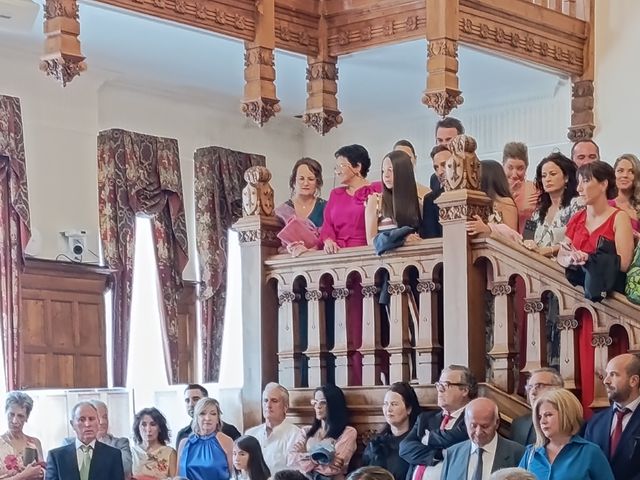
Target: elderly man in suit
[[616, 430], [485, 451], [86, 458], [436, 430], [540, 380]]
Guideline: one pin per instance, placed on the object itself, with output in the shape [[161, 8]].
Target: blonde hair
[[635, 166], [203, 404], [570, 413]]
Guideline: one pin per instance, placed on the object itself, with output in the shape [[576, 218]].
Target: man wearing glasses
[[435, 431], [540, 381]]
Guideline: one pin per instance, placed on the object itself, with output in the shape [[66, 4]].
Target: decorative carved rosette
[[261, 110], [533, 306], [369, 291], [397, 288], [501, 288], [340, 293], [267, 237], [601, 340], [582, 116], [444, 101], [315, 295], [567, 323], [257, 196], [62, 57], [426, 286]]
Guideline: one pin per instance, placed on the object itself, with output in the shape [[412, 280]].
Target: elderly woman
[[152, 457], [325, 448], [559, 452], [19, 453], [305, 209], [207, 454]]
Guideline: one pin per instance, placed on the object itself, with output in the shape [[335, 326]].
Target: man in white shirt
[[277, 434], [485, 451]]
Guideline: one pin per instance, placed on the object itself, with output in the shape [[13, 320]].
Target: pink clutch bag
[[298, 230]]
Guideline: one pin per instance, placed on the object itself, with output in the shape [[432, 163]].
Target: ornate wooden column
[[62, 58], [289, 354], [442, 93], [536, 337], [428, 348], [370, 348], [567, 325], [601, 342], [317, 348], [503, 351], [340, 346], [464, 283], [257, 234], [260, 102], [399, 346]]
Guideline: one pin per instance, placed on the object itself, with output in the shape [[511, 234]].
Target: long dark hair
[[401, 202], [570, 190], [601, 171], [257, 467], [158, 417], [493, 180], [336, 412], [410, 400]]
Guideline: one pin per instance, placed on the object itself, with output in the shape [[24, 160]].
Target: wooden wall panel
[[62, 334]]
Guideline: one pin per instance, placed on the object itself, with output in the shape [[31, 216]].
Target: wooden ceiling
[[554, 34]]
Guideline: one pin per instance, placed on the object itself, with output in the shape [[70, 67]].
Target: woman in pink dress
[[627, 170], [344, 226], [515, 161]]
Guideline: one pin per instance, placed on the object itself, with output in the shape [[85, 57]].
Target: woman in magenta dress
[[344, 226], [596, 185]]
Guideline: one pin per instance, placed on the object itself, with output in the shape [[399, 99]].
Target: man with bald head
[[585, 151], [616, 430], [485, 451]]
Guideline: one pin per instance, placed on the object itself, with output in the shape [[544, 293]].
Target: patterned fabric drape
[[218, 194], [140, 175], [14, 231]]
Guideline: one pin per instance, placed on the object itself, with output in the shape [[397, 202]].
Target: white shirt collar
[[455, 415], [490, 447], [632, 406], [80, 444]]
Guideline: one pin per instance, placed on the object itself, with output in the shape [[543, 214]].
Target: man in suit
[[435, 431], [121, 443], [616, 430], [86, 458], [485, 451], [540, 381]]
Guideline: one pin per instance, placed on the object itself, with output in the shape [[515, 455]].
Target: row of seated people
[[457, 441]]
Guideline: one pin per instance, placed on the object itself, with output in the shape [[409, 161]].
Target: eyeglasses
[[318, 403], [536, 386], [442, 386]]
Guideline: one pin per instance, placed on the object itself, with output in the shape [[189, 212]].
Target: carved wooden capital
[[322, 122], [260, 102], [533, 306], [566, 323], [462, 169], [426, 286], [261, 110], [64, 68], [397, 288], [286, 297], [501, 288], [315, 295], [582, 115], [442, 46], [322, 113], [257, 195], [601, 340], [444, 101], [369, 291], [340, 293]]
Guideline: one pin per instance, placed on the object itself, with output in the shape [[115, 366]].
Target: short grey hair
[[20, 399], [515, 473], [78, 405], [98, 404], [284, 393], [557, 379]]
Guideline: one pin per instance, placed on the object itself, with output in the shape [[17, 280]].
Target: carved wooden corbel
[[260, 102], [582, 117], [442, 93], [62, 58]]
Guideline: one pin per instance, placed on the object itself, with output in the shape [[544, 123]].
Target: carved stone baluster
[[428, 347], [503, 351], [536, 335], [289, 355], [317, 348], [370, 349], [601, 343], [340, 347], [567, 325], [399, 346]]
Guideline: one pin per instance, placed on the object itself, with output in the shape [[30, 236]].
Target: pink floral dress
[[153, 464], [11, 462]]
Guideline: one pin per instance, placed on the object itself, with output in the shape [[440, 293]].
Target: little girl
[[248, 462]]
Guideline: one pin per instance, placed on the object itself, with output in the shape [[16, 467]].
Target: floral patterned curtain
[[140, 175], [218, 194], [14, 232]]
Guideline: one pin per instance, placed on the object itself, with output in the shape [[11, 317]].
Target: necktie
[[86, 462], [445, 419], [477, 475], [617, 430]]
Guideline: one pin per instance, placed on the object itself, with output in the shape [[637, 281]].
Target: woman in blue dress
[[207, 454]]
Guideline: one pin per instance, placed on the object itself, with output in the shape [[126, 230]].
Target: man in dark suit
[[436, 430], [485, 451], [86, 458], [616, 430], [540, 381]]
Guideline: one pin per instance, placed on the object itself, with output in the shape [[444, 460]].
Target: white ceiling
[[137, 50]]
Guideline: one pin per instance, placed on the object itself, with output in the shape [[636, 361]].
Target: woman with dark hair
[[248, 461], [597, 226], [305, 208], [152, 457], [558, 202], [397, 206], [515, 162], [325, 448], [407, 147], [400, 409], [627, 171]]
